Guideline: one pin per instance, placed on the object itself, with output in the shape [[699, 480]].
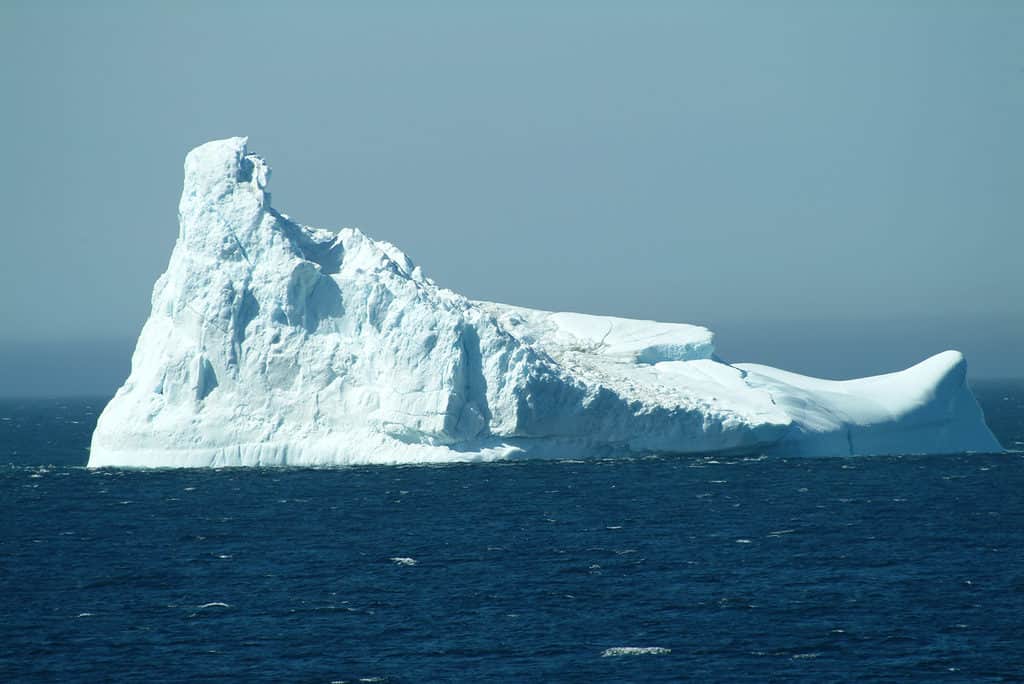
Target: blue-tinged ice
[[271, 343]]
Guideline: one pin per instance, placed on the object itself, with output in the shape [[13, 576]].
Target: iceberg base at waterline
[[272, 343]]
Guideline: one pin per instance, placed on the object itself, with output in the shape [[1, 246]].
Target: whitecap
[[214, 604], [634, 650], [401, 560]]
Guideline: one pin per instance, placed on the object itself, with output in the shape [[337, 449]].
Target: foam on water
[[634, 651]]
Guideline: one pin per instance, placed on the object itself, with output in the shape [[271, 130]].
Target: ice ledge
[[927, 408]]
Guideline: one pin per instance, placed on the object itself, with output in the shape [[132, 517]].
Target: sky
[[835, 188]]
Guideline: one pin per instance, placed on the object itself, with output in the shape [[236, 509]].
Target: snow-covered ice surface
[[271, 343]]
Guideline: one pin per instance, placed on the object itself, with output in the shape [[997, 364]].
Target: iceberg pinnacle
[[272, 343]]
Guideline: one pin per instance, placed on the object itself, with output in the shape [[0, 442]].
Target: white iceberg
[[271, 343]]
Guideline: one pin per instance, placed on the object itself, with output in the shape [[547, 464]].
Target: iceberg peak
[[220, 163], [273, 343], [222, 176]]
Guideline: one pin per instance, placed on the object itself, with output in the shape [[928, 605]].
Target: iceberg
[[271, 343]]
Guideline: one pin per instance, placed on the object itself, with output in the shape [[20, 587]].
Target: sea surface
[[646, 570]]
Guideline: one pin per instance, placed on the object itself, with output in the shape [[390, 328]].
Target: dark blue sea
[[747, 569]]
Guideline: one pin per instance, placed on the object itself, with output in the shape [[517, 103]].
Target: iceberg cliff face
[[271, 343]]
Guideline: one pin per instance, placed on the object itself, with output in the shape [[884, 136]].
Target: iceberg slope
[[271, 343]]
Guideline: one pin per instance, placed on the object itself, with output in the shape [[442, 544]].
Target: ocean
[[640, 570]]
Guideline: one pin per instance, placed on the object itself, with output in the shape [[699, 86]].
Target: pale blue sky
[[837, 188]]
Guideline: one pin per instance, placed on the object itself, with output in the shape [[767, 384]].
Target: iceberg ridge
[[272, 343]]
